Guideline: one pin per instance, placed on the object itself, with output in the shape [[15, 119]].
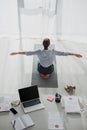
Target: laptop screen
[[28, 93]]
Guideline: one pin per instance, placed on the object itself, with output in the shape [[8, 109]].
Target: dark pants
[[47, 70]]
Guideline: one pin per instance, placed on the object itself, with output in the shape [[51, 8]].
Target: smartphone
[[13, 111]]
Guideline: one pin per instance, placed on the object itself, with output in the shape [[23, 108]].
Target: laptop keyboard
[[31, 103]]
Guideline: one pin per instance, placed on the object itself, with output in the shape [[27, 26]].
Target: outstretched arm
[[75, 54], [16, 53]]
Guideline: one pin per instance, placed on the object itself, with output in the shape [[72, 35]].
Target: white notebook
[[22, 122], [55, 121], [4, 103], [71, 104]]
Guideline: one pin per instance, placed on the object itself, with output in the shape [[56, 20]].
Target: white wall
[[8, 18], [74, 20]]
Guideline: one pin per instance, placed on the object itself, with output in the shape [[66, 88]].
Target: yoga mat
[[52, 81]]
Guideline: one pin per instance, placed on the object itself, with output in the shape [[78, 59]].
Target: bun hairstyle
[[46, 43]]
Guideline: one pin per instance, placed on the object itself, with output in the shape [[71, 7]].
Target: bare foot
[[45, 76]]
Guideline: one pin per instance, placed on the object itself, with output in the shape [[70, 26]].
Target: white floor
[[16, 71]]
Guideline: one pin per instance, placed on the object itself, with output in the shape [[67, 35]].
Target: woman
[[46, 58]]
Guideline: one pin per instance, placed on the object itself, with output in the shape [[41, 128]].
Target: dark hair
[[46, 43]]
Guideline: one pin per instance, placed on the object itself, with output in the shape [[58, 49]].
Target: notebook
[[4, 104], [23, 122], [30, 99], [71, 104]]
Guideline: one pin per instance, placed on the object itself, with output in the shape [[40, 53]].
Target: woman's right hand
[[13, 53]]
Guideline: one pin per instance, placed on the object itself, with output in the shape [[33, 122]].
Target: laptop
[[30, 99]]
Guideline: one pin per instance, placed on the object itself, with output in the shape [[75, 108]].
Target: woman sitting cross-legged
[[46, 58]]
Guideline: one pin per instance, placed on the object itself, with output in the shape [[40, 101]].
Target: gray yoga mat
[[51, 82]]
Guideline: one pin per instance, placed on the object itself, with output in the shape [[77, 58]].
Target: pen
[[14, 124]]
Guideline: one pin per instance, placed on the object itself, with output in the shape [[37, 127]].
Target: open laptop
[[30, 98]]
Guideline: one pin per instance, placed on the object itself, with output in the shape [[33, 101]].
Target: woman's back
[[46, 57]]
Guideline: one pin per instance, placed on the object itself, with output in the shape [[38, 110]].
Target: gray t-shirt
[[46, 57]]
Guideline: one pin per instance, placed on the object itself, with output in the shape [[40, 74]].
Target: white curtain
[[37, 18]]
